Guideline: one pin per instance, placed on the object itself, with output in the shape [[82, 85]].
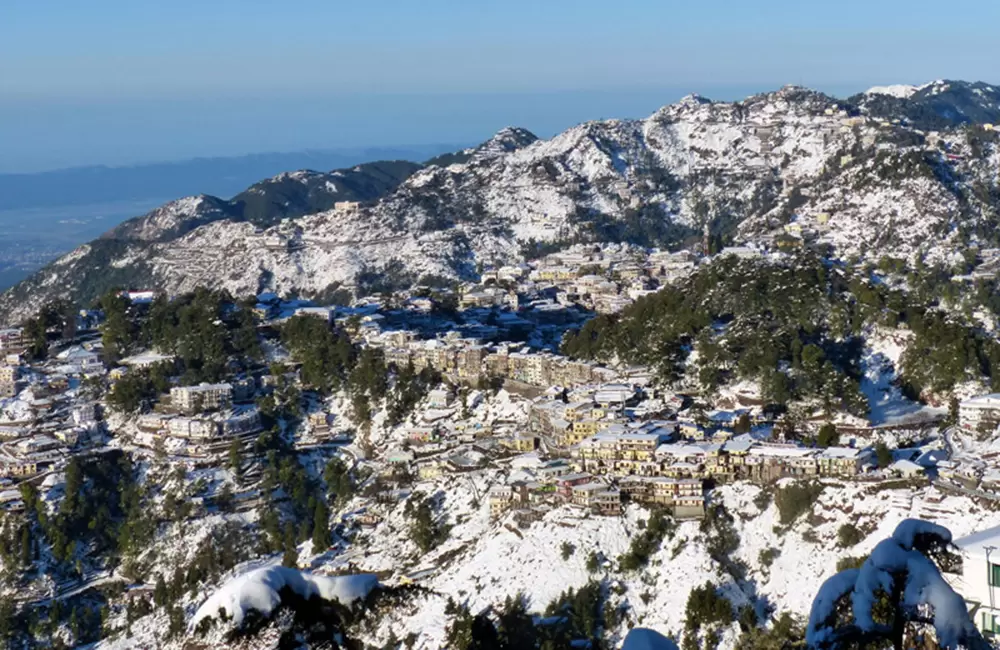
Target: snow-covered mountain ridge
[[860, 168]]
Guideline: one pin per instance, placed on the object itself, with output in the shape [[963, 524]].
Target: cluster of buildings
[[13, 343], [199, 423], [740, 458], [605, 279], [555, 483], [470, 361], [44, 419], [199, 438]]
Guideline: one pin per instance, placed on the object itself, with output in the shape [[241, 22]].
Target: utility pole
[[989, 579]]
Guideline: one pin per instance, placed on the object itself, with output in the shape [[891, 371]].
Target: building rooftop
[[977, 543], [841, 452], [992, 399]]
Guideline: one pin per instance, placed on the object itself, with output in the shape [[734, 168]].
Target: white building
[[193, 428], [980, 414], [202, 397], [742, 252], [614, 395], [439, 398], [146, 359], [979, 582]]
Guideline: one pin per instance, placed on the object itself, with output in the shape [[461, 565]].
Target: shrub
[[645, 544], [706, 606], [795, 499], [593, 562], [850, 562], [768, 556], [763, 499], [849, 535], [567, 550]]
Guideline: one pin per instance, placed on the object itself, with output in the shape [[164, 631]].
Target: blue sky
[[116, 82]]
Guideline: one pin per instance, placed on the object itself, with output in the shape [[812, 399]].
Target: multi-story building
[[203, 397], [9, 374], [979, 580], [496, 363], [500, 501], [607, 502], [980, 415], [8, 380], [242, 422], [843, 461], [585, 494], [584, 429], [581, 410], [13, 340], [683, 496], [198, 428], [521, 443], [470, 362]]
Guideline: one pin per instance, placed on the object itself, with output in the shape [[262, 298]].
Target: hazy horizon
[[373, 121], [123, 83]]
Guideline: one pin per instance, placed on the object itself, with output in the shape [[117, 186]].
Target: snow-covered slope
[[746, 169]]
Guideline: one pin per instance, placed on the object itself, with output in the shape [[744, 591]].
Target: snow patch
[[902, 91], [258, 590]]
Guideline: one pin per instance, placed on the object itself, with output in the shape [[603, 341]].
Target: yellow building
[[586, 428], [522, 444], [430, 471]]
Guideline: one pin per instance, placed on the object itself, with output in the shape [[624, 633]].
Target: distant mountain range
[[223, 176], [895, 170]]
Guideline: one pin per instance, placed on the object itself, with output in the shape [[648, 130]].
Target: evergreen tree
[[117, 329], [26, 546], [160, 591], [337, 476], [883, 455], [290, 558], [515, 626], [236, 458], [828, 436], [321, 527]]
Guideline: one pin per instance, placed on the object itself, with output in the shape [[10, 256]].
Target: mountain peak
[[694, 99], [505, 140]]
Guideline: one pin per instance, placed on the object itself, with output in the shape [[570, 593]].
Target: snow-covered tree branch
[[895, 593]]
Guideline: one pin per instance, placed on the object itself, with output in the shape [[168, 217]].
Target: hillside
[[933, 106], [856, 172], [803, 329]]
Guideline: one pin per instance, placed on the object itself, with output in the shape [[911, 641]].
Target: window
[[995, 575]]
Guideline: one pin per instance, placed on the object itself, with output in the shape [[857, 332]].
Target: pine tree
[[160, 591], [26, 546], [321, 526], [290, 558], [338, 481], [236, 458]]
